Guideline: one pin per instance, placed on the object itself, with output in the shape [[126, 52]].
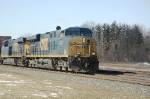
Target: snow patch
[[65, 87], [11, 84], [24, 96], [48, 86], [143, 64], [17, 81], [1, 93], [53, 94], [21, 81], [45, 80], [45, 96], [47, 83], [41, 95], [31, 82], [1, 81], [5, 75]]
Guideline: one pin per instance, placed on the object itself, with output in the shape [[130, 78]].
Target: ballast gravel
[[110, 85]]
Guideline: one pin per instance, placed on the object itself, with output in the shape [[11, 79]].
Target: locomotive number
[[44, 44]]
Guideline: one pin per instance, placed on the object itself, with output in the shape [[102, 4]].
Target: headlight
[[93, 53], [83, 39], [78, 53]]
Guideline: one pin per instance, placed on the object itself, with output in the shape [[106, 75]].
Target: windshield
[[72, 33], [78, 33], [86, 33]]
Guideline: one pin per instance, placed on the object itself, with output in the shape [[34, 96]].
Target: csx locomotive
[[71, 49]]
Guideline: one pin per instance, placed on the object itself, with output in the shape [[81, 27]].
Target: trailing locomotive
[[70, 49]]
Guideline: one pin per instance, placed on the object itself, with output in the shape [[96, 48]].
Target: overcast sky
[[40, 16]]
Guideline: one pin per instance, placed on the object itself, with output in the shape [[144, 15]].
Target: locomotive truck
[[71, 49]]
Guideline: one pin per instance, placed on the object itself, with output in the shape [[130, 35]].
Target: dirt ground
[[19, 86]]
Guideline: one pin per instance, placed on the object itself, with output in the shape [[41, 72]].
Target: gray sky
[[18, 17]]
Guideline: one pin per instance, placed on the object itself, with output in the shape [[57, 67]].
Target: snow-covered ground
[[21, 83], [13, 82], [143, 64]]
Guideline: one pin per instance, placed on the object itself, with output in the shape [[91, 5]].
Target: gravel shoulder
[[24, 83]]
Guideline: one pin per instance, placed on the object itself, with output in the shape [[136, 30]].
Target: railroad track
[[127, 79]]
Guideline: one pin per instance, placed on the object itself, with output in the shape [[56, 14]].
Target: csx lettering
[[15, 47], [44, 44]]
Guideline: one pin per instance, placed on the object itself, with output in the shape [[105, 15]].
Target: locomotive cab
[[81, 50]]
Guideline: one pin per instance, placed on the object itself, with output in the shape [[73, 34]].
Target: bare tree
[[89, 24], [147, 32], [121, 42], [146, 45]]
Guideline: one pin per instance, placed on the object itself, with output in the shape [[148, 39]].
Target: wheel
[[27, 63], [60, 69], [74, 66], [66, 69]]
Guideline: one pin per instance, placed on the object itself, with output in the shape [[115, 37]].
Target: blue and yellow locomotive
[[71, 49]]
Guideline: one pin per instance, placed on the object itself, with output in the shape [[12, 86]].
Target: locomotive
[[72, 49]]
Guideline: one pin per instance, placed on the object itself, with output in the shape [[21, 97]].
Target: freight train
[[72, 49], [2, 38]]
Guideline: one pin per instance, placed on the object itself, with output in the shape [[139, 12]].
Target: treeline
[[120, 42]]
